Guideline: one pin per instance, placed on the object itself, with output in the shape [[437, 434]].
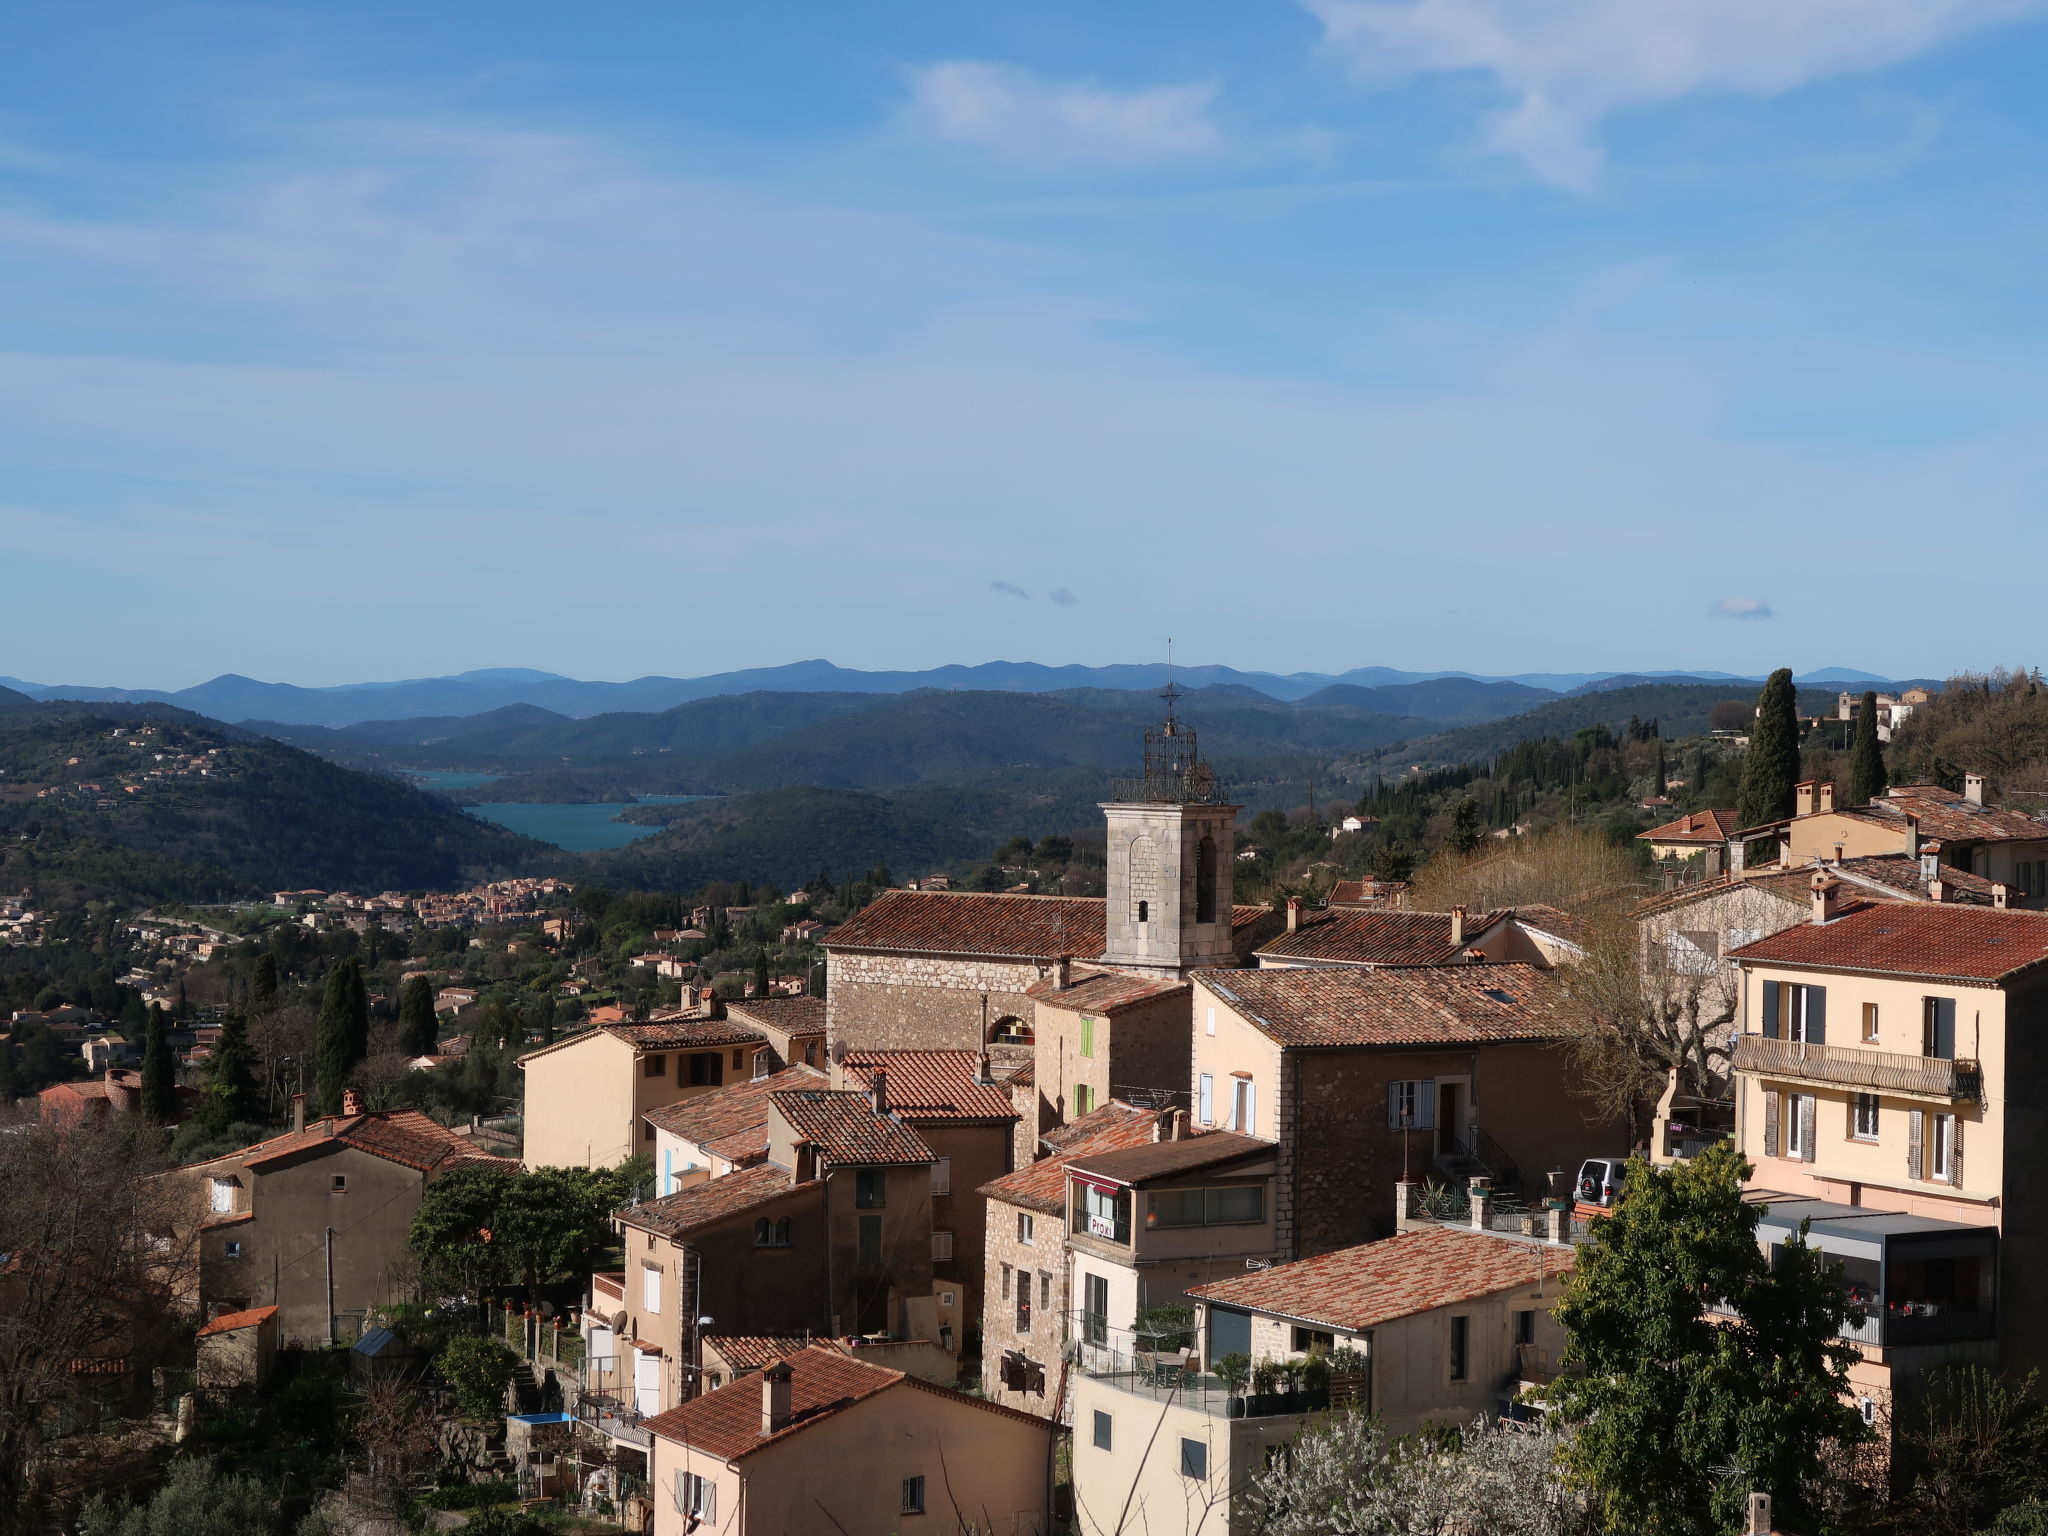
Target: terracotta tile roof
[[790, 1015], [1947, 815], [1794, 886], [1554, 921], [1374, 1283], [974, 923], [731, 1110], [1043, 1185], [1103, 992], [824, 1380], [1912, 939], [402, 1136], [1349, 893], [657, 1035], [1696, 827], [1165, 1159], [229, 1322], [232, 1219], [1901, 873], [1420, 1005], [932, 1085], [715, 1200], [749, 1352], [1375, 936], [846, 1130]]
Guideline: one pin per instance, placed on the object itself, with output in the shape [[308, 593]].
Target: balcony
[[1162, 1378], [1856, 1066], [1917, 1280]]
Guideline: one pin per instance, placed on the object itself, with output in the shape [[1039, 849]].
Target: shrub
[[477, 1369]]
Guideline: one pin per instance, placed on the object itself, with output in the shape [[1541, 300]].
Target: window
[[1231, 1205], [1525, 1327], [654, 1066], [1866, 1407], [1144, 911], [764, 1232], [707, 1069], [1205, 880], [870, 1253], [1044, 1289], [782, 1232], [1087, 1036], [1105, 1429], [1938, 1027], [1103, 1213], [647, 1130], [650, 1288], [1095, 1309], [232, 1251], [1194, 1459], [739, 1057], [1870, 1023], [942, 1176], [1306, 1339], [870, 1189], [697, 1497], [1244, 1106], [1009, 1030], [221, 1199], [1081, 1099], [1799, 1126], [1411, 1106], [1941, 1149], [942, 1247], [1863, 1122], [1461, 1347], [1006, 1282], [1205, 1092], [1026, 1227], [1023, 1303], [1209, 1022], [913, 1495], [338, 1184], [1795, 1011]]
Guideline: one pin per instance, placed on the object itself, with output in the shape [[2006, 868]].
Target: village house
[[829, 1234], [824, 1441], [1886, 1050], [1361, 1072], [1446, 1325], [1701, 835], [1101, 1035], [713, 1134], [793, 1027], [314, 1222], [728, 1357], [118, 1091], [1375, 936], [587, 1096]]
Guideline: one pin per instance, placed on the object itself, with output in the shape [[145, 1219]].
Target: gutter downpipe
[[330, 1286]]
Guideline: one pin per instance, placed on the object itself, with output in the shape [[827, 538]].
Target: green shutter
[[1771, 989], [1816, 1015]]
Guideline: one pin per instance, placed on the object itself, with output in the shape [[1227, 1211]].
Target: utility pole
[[330, 1287]]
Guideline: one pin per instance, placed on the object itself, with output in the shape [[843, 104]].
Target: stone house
[[793, 1027], [236, 1349], [1696, 835], [1101, 1035], [315, 1222], [1887, 1056], [587, 1097], [821, 1440], [1360, 1073], [952, 1101]]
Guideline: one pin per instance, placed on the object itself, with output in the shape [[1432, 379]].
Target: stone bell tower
[[1171, 852]]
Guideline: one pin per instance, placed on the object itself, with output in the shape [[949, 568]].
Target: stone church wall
[[881, 1001]]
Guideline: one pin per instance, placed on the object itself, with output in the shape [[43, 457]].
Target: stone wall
[[1042, 1263], [880, 1001]]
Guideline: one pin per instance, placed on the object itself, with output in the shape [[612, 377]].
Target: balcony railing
[[1855, 1066]]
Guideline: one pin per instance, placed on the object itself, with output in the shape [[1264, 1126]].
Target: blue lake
[[577, 828]]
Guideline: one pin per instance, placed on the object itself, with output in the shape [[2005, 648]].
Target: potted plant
[[1315, 1379], [1349, 1368], [1233, 1370], [1290, 1384], [1264, 1396]]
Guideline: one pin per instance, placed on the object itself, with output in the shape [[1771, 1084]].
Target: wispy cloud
[[1740, 608], [1009, 589], [1025, 117], [1063, 597], [1567, 65]]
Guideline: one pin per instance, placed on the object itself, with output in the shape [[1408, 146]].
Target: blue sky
[[388, 340]]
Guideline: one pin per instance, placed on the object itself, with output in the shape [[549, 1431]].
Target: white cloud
[[1739, 608], [1025, 117], [1568, 64]]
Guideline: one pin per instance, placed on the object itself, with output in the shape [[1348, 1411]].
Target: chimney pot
[[1759, 1515], [1937, 891], [298, 1111], [1066, 972], [1802, 798], [1294, 914], [2001, 896], [775, 1395], [1457, 925], [1827, 795], [351, 1102], [1827, 898], [878, 1088], [981, 1071], [1973, 788]]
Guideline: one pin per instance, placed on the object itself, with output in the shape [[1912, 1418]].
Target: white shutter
[[1806, 1111], [1916, 1142], [1251, 1110], [708, 1512], [942, 1176], [650, 1288], [1770, 1122], [1205, 1099]]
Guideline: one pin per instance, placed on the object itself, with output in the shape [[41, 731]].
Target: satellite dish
[[547, 1309], [619, 1321]]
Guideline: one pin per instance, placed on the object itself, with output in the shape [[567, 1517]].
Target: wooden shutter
[[1770, 1122], [1816, 1015], [1425, 1104], [1806, 1103], [1955, 1150], [1916, 1142], [1771, 1009], [1394, 1106]]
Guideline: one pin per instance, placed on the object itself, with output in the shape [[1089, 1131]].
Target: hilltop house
[[717, 1133], [2009, 848]]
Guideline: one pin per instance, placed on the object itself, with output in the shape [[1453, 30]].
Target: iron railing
[[1856, 1066]]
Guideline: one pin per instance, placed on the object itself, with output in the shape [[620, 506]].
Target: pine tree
[[1770, 768], [1867, 775], [761, 972], [228, 1094], [418, 1029], [263, 984], [1464, 835], [159, 1073]]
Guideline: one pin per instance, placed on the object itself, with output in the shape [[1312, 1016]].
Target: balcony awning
[[1851, 1066]]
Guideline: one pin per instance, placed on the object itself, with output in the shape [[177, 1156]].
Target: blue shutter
[[1425, 1104], [1771, 1009], [1816, 1015], [1944, 1027]]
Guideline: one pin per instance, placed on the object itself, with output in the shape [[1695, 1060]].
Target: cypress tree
[[1662, 785], [761, 972], [332, 1061], [1770, 768], [1867, 775], [356, 1000], [159, 1074], [7, 1089], [228, 1096], [263, 983], [418, 1029]]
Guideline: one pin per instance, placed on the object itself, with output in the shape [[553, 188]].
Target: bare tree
[[89, 1270], [1576, 869], [282, 1040]]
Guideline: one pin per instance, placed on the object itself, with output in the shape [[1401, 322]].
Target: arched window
[[1144, 911], [761, 1232], [1205, 881], [1009, 1030], [782, 1233]]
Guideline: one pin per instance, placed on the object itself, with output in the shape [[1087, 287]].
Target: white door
[[600, 1367], [646, 1382]]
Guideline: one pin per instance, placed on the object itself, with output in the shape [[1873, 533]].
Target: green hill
[[98, 799]]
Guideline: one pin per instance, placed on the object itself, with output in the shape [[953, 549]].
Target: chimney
[[1457, 925], [1973, 788], [1930, 865], [1937, 891], [1066, 972], [1827, 898], [1481, 1192], [1294, 914], [1759, 1515], [2001, 896], [1172, 1125], [1827, 795], [1802, 798], [878, 1090], [1838, 853], [1738, 855], [775, 1412], [981, 1071], [298, 1111], [351, 1102], [714, 1005]]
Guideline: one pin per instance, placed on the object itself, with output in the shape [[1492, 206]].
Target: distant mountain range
[[234, 697]]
